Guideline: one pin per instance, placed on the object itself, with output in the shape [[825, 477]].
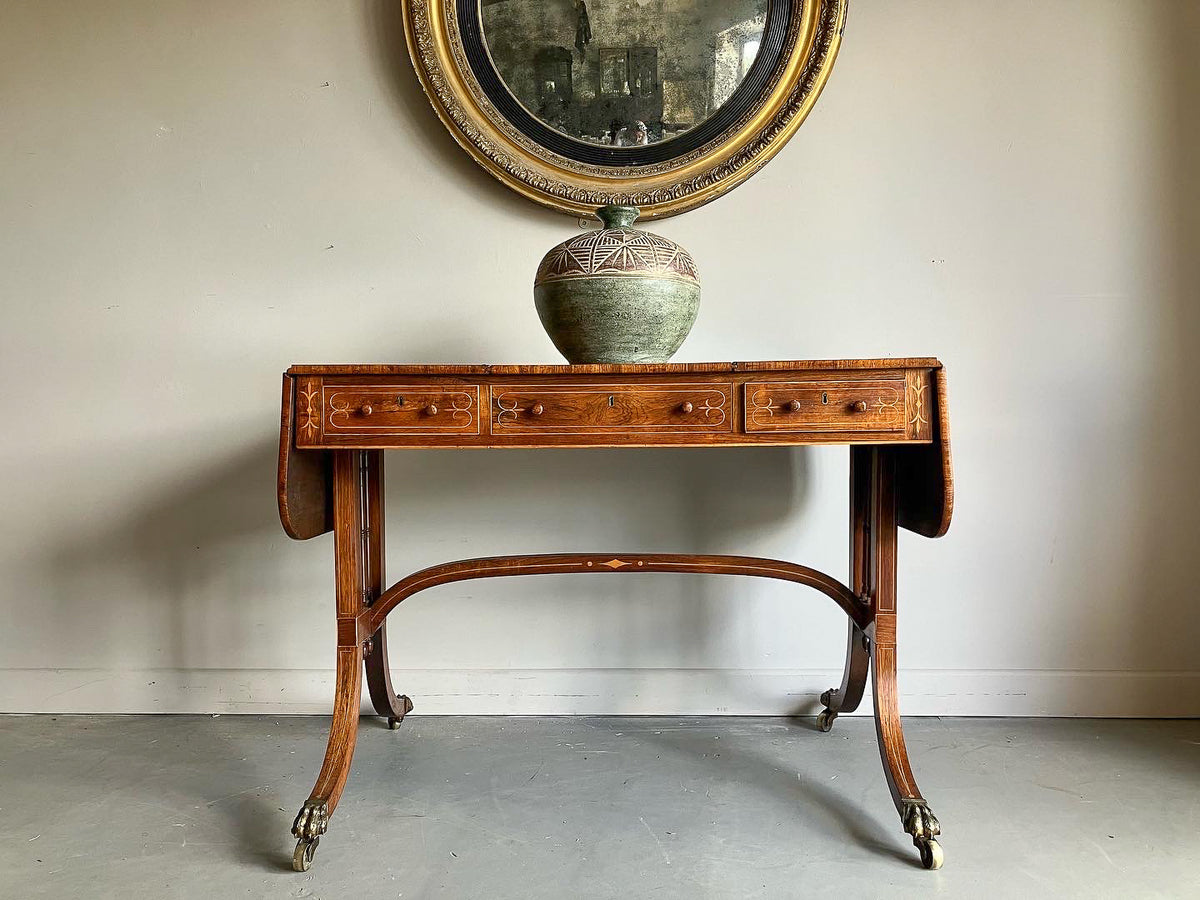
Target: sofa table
[[338, 420]]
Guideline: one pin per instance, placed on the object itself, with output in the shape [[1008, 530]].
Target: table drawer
[[875, 405], [403, 409], [607, 408]]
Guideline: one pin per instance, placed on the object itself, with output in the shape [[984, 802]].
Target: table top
[[694, 368]]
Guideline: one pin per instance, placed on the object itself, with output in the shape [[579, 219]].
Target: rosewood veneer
[[338, 420]]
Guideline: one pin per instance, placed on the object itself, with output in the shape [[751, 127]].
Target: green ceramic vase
[[617, 295]]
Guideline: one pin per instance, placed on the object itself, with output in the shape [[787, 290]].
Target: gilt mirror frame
[[448, 52]]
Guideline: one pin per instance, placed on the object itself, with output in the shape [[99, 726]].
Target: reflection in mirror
[[623, 72]]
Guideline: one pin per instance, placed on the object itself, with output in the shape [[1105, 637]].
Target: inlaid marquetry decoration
[[415, 409], [311, 416], [595, 405], [891, 401], [916, 399], [659, 106], [871, 405], [605, 408]]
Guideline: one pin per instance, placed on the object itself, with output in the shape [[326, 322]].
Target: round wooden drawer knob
[[859, 406], [366, 409], [686, 406], [793, 405], [537, 409], [431, 410]]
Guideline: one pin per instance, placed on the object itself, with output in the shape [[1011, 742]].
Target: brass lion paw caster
[[311, 822], [922, 825]]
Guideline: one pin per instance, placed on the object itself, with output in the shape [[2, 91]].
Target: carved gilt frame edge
[[577, 189]]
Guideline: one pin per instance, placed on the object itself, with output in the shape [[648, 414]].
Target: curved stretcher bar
[[572, 563]]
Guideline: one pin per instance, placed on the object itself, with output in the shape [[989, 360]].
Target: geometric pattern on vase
[[617, 251]]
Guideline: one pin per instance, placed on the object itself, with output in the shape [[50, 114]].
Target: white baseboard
[[687, 692]]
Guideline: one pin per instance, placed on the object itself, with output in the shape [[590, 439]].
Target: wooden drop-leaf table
[[338, 420]]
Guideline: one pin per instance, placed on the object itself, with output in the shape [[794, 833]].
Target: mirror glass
[[623, 72]]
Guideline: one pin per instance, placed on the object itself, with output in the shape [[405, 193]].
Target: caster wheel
[[931, 854], [825, 719], [406, 706], [303, 856]]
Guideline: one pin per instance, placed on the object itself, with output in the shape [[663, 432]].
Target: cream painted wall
[[195, 194]]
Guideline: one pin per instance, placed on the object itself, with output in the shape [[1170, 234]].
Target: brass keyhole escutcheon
[[611, 400], [399, 401], [824, 397]]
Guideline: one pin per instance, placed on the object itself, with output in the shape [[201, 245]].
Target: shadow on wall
[[204, 584], [190, 566], [201, 575], [1161, 525], [605, 501], [1160, 610], [1175, 466]]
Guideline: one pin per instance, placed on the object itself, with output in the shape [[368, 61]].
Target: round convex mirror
[[623, 73], [659, 104]]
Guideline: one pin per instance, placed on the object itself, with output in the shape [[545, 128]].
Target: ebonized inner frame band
[[753, 86]]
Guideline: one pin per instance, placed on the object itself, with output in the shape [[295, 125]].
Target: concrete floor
[[161, 807]]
